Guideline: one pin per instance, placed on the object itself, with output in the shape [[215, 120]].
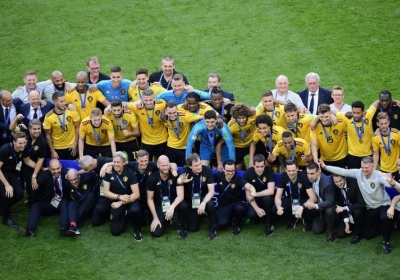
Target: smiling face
[[30, 82], [383, 125], [282, 84], [34, 99], [171, 113], [339, 181], [116, 78], [94, 68], [268, 102], [291, 170], [167, 67], [264, 129], [213, 82], [313, 174], [177, 86], [35, 130], [96, 121], [312, 84], [229, 171], [118, 164], [141, 80]]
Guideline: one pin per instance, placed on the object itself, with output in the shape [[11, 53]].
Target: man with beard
[[390, 107], [96, 135], [58, 85], [33, 157], [386, 145], [52, 199], [11, 190], [217, 103], [83, 100], [31, 84], [141, 83], [193, 105], [62, 129], [214, 81], [164, 77], [126, 129]]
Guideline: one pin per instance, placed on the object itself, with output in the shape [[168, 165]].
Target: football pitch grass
[[354, 44]]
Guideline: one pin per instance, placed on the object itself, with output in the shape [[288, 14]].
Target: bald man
[[83, 100], [31, 84], [282, 92], [82, 195], [52, 198], [58, 83], [8, 112]]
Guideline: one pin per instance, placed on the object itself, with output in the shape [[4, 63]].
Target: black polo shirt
[[86, 186], [162, 187], [200, 182], [291, 190], [259, 182], [35, 150], [102, 77], [143, 176], [10, 158], [229, 192], [121, 183], [156, 77]]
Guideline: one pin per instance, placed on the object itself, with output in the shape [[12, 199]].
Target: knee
[[240, 208]]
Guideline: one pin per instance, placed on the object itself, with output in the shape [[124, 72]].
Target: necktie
[[6, 114], [35, 113], [311, 108], [57, 185]]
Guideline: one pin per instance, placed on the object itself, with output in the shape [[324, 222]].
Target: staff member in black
[[199, 191], [52, 198], [81, 188], [231, 207], [263, 179], [164, 196], [294, 189], [33, 157], [350, 207], [121, 188], [10, 184]]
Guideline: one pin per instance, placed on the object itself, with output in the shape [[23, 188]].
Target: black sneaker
[[291, 224], [137, 234], [26, 233], [269, 230], [386, 247], [235, 230], [182, 233], [212, 234], [63, 231], [73, 231], [307, 227]]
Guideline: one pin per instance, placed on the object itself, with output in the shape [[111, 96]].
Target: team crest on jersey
[[157, 112], [104, 131], [123, 91], [274, 142], [233, 186], [171, 182], [278, 114], [335, 131], [300, 125], [300, 185], [35, 148], [225, 112], [204, 179], [373, 185], [395, 116], [180, 124], [252, 123], [366, 121], [392, 142], [69, 119], [84, 187], [90, 98], [111, 217], [264, 179], [298, 154], [149, 173], [125, 179]]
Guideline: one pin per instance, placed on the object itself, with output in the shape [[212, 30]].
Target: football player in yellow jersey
[[141, 83], [293, 149], [178, 124], [359, 132], [265, 139], [193, 105], [242, 127], [329, 138], [83, 100], [154, 134], [96, 135], [62, 129], [275, 111], [298, 124], [126, 129], [387, 144]]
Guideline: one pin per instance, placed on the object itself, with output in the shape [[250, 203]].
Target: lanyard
[[143, 176], [293, 127], [169, 188], [226, 188], [80, 195], [293, 151], [176, 129], [15, 156], [116, 175], [222, 110], [200, 183], [387, 148], [150, 120], [211, 137], [63, 120], [326, 134], [359, 131], [341, 107], [273, 113], [97, 136], [83, 100], [169, 82], [140, 94], [268, 145], [242, 133], [290, 189], [121, 124], [276, 95]]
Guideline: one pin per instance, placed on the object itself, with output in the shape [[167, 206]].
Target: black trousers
[[66, 154], [117, 217], [7, 202], [95, 151], [46, 209], [232, 213], [77, 210], [27, 173], [356, 228], [266, 203], [155, 150], [194, 219], [321, 219], [176, 155], [101, 212], [181, 210], [377, 222], [130, 147], [287, 209]]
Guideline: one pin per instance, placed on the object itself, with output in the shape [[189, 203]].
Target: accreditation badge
[[196, 201], [18, 167], [56, 200], [165, 203], [295, 205], [351, 219], [101, 189]]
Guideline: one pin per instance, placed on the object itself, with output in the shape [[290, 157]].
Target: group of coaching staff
[[160, 116]]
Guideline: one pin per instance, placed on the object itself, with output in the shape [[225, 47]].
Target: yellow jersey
[[269, 143], [301, 128], [128, 121], [388, 160], [301, 147], [83, 102], [136, 93], [96, 136], [277, 114], [242, 134], [203, 108]]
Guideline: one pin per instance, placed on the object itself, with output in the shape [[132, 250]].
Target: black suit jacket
[[6, 127], [324, 96], [353, 194], [25, 108], [326, 192], [45, 180]]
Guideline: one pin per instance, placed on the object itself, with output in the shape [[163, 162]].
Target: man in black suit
[[214, 80], [323, 211], [8, 112], [52, 198], [314, 95], [350, 207]]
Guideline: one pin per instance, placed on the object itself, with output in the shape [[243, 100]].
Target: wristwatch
[[33, 175]]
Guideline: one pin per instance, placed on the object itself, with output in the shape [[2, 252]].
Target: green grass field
[[354, 44]]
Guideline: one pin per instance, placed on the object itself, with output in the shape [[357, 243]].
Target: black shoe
[[63, 231], [269, 230], [212, 234], [355, 239], [386, 247], [330, 237], [235, 230], [307, 227], [137, 234], [292, 224], [25, 233], [10, 223], [182, 233], [73, 231]]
